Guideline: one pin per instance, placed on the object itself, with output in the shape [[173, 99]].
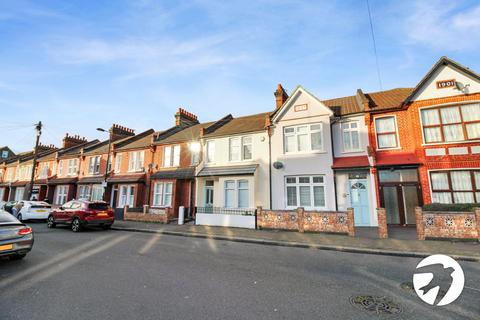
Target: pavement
[[97, 274], [402, 241]]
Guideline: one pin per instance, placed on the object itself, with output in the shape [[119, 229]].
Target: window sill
[[449, 143], [388, 149], [353, 151], [303, 153]]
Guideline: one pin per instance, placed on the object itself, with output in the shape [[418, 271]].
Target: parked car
[[16, 238], [82, 213], [33, 210], [8, 206]]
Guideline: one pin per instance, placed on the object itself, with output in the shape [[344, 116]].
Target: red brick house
[[57, 173], [177, 152], [93, 169], [425, 141], [131, 164]]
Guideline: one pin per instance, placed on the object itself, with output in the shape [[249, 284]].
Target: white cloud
[[441, 26]]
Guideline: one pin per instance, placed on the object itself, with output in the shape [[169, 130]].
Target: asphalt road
[[123, 275]]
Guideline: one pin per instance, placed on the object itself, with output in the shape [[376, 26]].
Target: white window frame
[[308, 133], [136, 161], [94, 165], [19, 195], [61, 194], [397, 138], [311, 184], [84, 191], [44, 171], [127, 198], [96, 192], [10, 174], [72, 167], [160, 194], [60, 167], [349, 131], [236, 193], [118, 163], [195, 148], [241, 146], [210, 151], [176, 156]]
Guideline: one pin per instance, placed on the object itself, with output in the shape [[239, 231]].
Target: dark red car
[[82, 213]]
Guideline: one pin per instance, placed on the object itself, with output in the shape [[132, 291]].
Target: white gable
[[302, 104], [442, 75]]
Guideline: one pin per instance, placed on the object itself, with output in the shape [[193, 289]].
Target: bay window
[[386, 130], [162, 194], [303, 138], [127, 196], [305, 191], [455, 186], [451, 124], [19, 193], [237, 194], [97, 192], [61, 193], [135, 161], [84, 192], [350, 136]]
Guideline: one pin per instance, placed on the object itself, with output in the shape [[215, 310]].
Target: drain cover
[[376, 305]]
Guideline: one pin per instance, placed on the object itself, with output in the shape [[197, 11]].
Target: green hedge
[[451, 207]]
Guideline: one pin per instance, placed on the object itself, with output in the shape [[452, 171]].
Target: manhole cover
[[406, 285], [380, 306]]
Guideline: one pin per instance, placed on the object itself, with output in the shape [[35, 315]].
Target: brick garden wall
[[454, 225], [307, 221], [148, 215]]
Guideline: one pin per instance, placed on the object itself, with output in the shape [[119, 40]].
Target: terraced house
[[130, 175], [233, 174], [177, 153]]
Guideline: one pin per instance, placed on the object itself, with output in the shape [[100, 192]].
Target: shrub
[[465, 207]]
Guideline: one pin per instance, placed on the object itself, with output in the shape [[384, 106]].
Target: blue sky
[[79, 65]]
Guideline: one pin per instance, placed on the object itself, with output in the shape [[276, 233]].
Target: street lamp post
[[108, 160]]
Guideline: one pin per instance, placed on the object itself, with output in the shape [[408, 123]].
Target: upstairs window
[[94, 165], [451, 124], [171, 156], [118, 163], [135, 161], [240, 148], [44, 171], [386, 130], [210, 151], [303, 138], [72, 167], [195, 152], [350, 136]]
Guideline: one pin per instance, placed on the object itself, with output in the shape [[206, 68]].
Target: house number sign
[[445, 84]]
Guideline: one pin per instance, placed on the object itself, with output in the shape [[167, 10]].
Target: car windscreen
[[7, 218], [98, 206]]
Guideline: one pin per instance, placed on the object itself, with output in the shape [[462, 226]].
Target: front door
[[359, 202], [399, 201], [209, 194]]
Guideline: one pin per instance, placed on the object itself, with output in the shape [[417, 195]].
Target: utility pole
[[38, 128]]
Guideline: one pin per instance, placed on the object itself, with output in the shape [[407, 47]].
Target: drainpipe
[[270, 165], [333, 158]]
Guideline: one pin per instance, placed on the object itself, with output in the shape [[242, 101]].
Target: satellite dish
[[459, 85], [278, 165]]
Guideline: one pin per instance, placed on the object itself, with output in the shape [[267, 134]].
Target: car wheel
[[19, 217], [51, 222], [18, 256], [76, 225]]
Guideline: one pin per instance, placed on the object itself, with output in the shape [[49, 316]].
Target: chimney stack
[[280, 96], [119, 132], [43, 147], [71, 141], [184, 118]]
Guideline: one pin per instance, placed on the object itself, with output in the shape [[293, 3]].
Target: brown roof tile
[[250, 123], [343, 106], [388, 99], [187, 134]]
